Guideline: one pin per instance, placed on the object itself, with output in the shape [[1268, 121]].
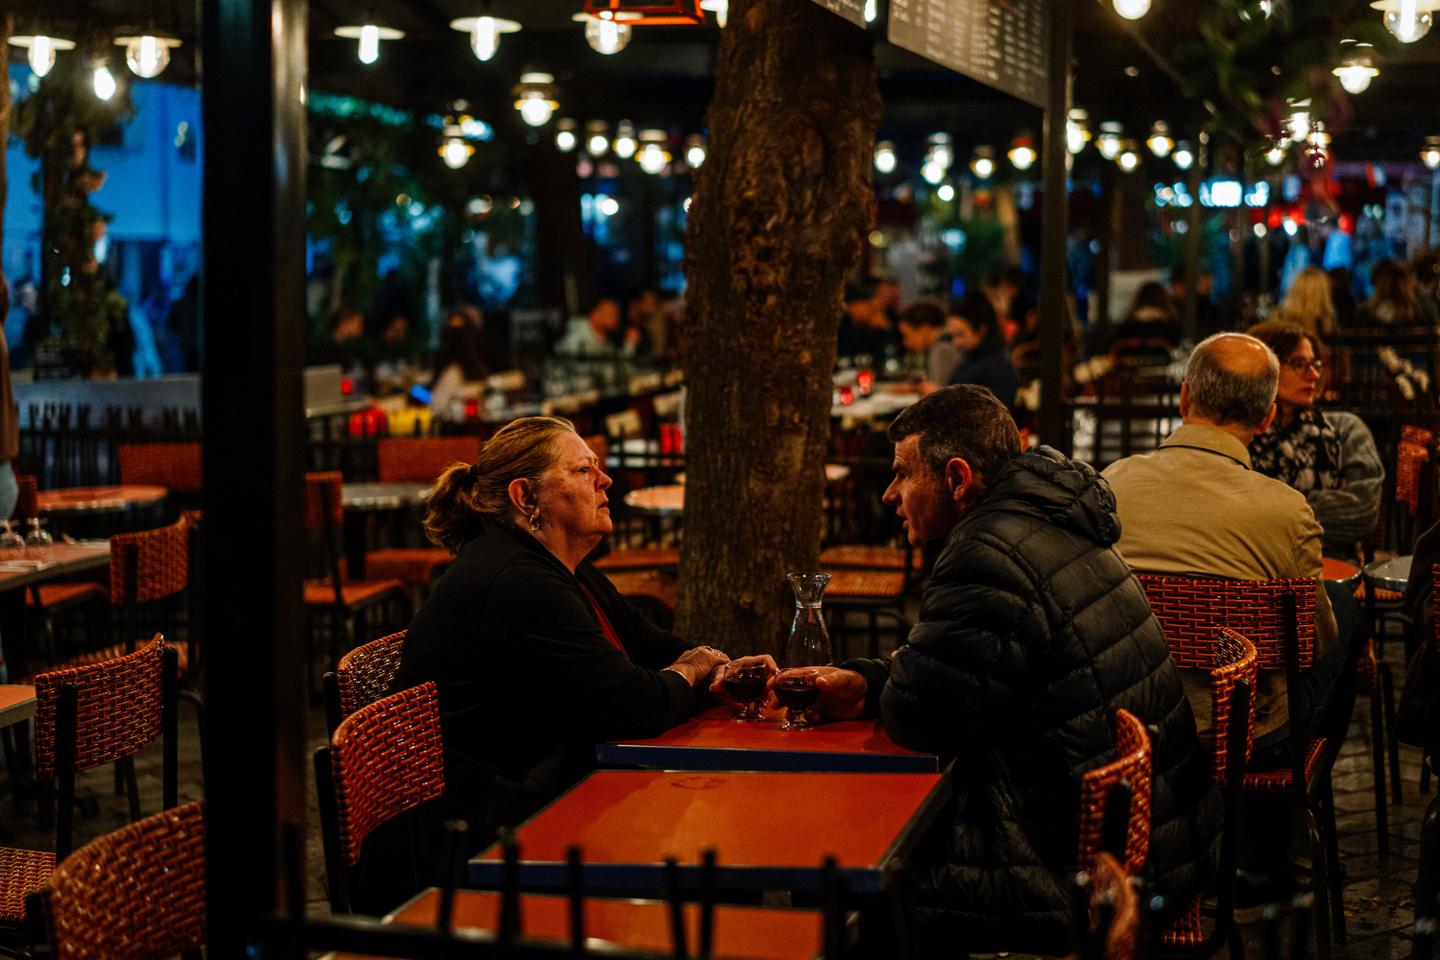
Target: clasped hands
[[842, 692]]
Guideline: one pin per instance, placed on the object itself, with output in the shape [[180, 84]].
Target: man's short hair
[[965, 421], [923, 313], [1229, 396]]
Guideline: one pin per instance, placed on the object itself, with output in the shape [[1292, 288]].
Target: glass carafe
[[809, 643]]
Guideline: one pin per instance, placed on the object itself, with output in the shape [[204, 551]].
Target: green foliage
[[58, 121], [983, 252]]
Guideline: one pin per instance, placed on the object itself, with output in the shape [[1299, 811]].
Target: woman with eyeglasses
[[1330, 457]]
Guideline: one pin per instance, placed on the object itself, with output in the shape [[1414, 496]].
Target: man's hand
[[698, 663], [842, 693]]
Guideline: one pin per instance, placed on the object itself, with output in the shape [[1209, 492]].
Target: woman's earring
[[535, 520]]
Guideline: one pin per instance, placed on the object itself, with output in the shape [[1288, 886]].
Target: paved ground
[[1379, 900]]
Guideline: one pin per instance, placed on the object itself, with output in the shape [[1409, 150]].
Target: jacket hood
[[1062, 491]]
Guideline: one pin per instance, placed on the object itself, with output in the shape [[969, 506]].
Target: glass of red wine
[[797, 693], [744, 682]]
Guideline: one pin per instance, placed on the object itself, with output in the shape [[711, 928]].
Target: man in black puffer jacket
[[1032, 633]]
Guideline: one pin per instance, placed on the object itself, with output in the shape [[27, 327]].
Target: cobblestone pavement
[[1379, 890]]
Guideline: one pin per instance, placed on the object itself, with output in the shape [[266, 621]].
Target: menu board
[[852, 10], [1001, 43]]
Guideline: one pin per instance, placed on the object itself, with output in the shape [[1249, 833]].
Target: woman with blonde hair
[[536, 656], [1307, 303]]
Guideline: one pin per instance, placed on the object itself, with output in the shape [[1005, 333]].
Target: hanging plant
[[59, 120]]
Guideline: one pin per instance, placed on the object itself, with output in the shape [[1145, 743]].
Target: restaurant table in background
[[1393, 574], [715, 741], [770, 831], [667, 500], [1342, 572], [363, 500], [100, 511], [17, 703], [739, 932], [37, 565]]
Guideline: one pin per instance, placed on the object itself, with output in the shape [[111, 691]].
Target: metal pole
[[1054, 427], [254, 259], [1190, 321]]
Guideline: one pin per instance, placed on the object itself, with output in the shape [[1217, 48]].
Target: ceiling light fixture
[[485, 33]]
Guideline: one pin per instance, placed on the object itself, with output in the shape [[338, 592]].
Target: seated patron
[[922, 331], [1196, 507], [536, 657], [984, 354], [1032, 633], [1330, 457]]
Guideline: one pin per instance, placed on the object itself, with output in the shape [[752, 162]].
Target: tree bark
[[778, 218]]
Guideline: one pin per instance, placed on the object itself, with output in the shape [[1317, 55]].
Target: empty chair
[[362, 676]]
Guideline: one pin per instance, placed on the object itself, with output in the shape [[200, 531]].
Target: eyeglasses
[[1300, 365]]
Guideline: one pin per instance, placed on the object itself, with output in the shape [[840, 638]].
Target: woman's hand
[[698, 663], [717, 679], [842, 693]]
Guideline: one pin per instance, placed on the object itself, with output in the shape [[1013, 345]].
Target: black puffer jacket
[[1032, 633]]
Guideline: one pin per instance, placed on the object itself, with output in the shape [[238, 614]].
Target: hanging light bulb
[[565, 138], [533, 98], [1160, 142], [1265, 7], [1357, 68], [983, 163], [1128, 158], [485, 33], [1407, 20], [694, 151], [721, 9], [1108, 143], [1132, 9], [1077, 130], [885, 157], [147, 56], [1022, 152], [1298, 123], [607, 34], [871, 11], [946, 193], [104, 81], [41, 50], [1430, 154], [596, 141], [369, 36], [624, 145], [454, 150], [931, 172], [1183, 157], [1276, 154], [652, 156]]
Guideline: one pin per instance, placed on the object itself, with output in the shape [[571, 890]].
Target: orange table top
[[740, 932], [97, 499], [713, 741], [771, 831], [666, 499], [22, 567], [1340, 570], [17, 702]]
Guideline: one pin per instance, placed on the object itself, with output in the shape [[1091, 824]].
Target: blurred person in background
[[1151, 314], [1307, 303], [1427, 281], [459, 361], [985, 356], [1393, 301], [927, 348], [1342, 297]]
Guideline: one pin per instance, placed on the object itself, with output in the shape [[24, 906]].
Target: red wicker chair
[[333, 600], [85, 717], [25, 502], [385, 759], [1233, 665], [362, 676], [1278, 617], [1131, 766], [421, 459], [133, 894], [175, 466]]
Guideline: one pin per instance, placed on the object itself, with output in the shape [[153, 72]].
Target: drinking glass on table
[[744, 682], [10, 539], [38, 535], [797, 692]]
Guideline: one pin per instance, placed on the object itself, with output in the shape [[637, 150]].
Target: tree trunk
[[779, 215], [7, 21]]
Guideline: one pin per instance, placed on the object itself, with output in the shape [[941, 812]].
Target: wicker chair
[[1233, 664], [1278, 617], [333, 600], [1131, 767], [85, 717], [133, 894], [177, 467], [362, 676], [385, 759], [415, 460]]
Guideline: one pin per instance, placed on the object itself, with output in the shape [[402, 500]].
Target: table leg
[[355, 534]]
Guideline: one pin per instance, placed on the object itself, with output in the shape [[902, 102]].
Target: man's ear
[[959, 478], [1269, 418], [1184, 400]]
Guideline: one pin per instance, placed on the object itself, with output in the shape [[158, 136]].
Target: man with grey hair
[[1194, 507]]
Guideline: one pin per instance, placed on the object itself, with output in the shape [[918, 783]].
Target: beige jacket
[[1194, 507]]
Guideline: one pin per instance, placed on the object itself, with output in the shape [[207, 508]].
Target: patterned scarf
[[1304, 455]]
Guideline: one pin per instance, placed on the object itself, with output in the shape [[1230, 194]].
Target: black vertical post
[[1054, 426], [1190, 316], [254, 259]]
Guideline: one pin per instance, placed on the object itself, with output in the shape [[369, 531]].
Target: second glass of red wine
[[745, 684], [797, 693]]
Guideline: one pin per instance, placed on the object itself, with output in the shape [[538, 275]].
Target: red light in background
[[847, 396], [347, 386], [472, 408]]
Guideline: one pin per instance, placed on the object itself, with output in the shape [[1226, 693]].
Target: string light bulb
[[652, 156], [104, 81], [1077, 131], [1357, 69], [624, 144], [485, 33], [1183, 157], [1132, 9], [565, 137], [147, 55], [1108, 143], [1430, 154], [596, 140], [533, 98], [1022, 153], [607, 33], [368, 37], [885, 157], [454, 150], [694, 151], [1129, 156], [40, 50], [983, 163], [1160, 142], [1275, 155]]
